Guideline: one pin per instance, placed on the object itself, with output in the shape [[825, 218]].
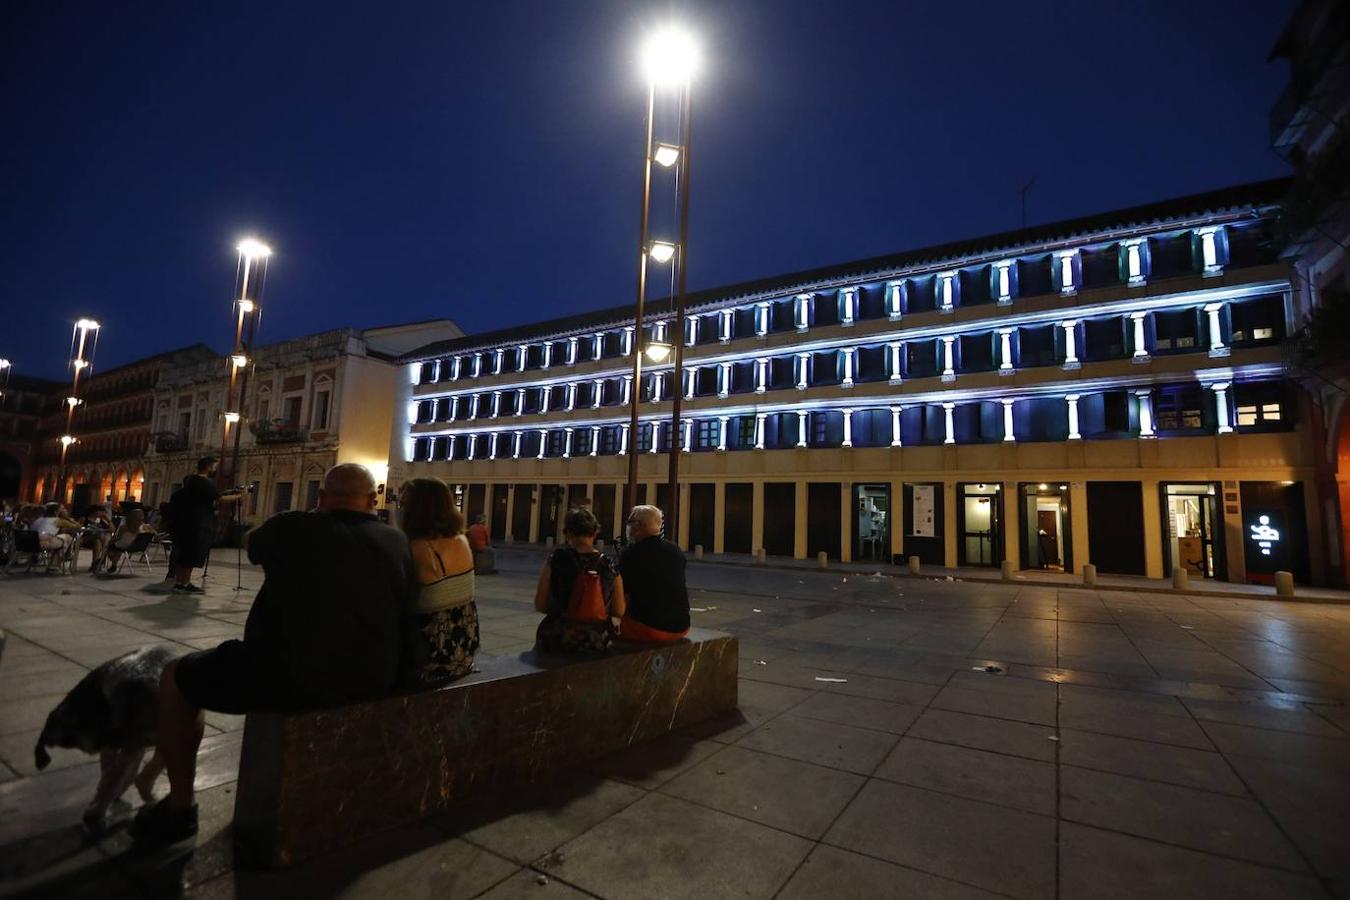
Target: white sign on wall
[[922, 508]]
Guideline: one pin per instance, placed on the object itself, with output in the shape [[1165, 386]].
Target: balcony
[[277, 431], [170, 442]]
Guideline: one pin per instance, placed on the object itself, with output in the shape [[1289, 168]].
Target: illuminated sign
[[1265, 535]]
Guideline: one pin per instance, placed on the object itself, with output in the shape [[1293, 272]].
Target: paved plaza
[[897, 737]]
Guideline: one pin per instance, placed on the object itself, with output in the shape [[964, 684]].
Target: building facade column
[[719, 517], [756, 514], [800, 520]]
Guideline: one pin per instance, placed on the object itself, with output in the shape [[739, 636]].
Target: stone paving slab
[[1124, 743]]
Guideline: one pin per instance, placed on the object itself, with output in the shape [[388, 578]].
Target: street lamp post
[[253, 256], [636, 348], [82, 348], [677, 377]]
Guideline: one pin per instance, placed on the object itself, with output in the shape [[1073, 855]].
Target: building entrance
[[1047, 535], [980, 524], [1193, 535], [872, 535]]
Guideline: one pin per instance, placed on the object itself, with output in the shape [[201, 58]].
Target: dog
[[114, 712]]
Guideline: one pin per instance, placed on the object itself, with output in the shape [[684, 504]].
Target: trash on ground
[[845, 581], [698, 609], [1188, 627], [756, 610], [950, 578], [832, 680], [541, 880], [1054, 737], [761, 662], [992, 670]]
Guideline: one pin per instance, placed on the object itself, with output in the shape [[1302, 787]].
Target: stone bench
[[315, 781]]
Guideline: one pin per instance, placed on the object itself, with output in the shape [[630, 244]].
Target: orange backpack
[[587, 602]]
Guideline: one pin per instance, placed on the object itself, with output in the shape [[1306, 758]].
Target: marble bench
[[315, 781]]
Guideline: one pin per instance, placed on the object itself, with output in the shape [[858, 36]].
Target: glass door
[[980, 540], [1047, 539], [1192, 528], [872, 522]]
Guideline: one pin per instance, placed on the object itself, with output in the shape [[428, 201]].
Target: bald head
[[348, 486]]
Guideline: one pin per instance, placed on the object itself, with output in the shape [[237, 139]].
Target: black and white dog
[[113, 712]]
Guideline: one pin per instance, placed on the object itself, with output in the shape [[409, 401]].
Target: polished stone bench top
[[313, 781]]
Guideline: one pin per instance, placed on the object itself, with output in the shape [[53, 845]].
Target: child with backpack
[[579, 592]]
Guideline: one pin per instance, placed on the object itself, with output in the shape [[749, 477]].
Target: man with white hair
[[653, 582], [323, 631]]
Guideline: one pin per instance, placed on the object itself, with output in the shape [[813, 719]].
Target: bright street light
[[252, 248], [239, 360], [4, 364], [246, 306], [66, 440], [86, 325], [658, 351], [231, 417], [670, 57], [666, 155], [661, 251]]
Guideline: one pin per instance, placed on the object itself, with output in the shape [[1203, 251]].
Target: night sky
[[481, 161]]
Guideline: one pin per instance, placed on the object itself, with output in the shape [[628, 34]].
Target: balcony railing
[[170, 441], [277, 431]]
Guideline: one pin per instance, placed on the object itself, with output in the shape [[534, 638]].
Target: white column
[[723, 379], [848, 428], [1005, 365], [454, 408], [473, 406], [1216, 346], [1065, 260], [761, 375], [627, 340], [450, 446], [690, 330], [848, 366], [571, 394], [1072, 400], [522, 353], [1003, 281], [725, 320], [803, 369], [496, 404], [801, 428], [543, 441], [1145, 413], [895, 294], [658, 381], [595, 440], [544, 393], [897, 362], [722, 432], [435, 372], [1140, 350], [597, 345], [803, 312], [516, 438], [1071, 345], [948, 360], [1134, 261], [597, 393], [659, 330], [546, 351], [454, 369], [1221, 407], [949, 428], [623, 439], [895, 425], [1008, 433], [473, 445], [492, 445], [571, 351], [848, 300], [686, 435], [498, 360], [627, 396], [946, 291], [477, 365], [761, 319], [654, 429], [759, 430], [1209, 250], [690, 382]]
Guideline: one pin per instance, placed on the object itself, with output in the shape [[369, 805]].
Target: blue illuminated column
[[802, 311], [1145, 397], [725, 318], [597, 346], [1066, 271], [1211, 258], [498, 360], [571, 351], [762, 319], [477, 365], [454, 369], [848, 302], [1135, 264]]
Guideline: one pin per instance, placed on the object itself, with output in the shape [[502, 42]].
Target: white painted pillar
[[724, 325], [722, 432], [623, 439], [803, 312], [450, 446], [761, 375], [654, 429], [848, 428], [1145, 413], [595, 440], [723, 379], [1005, 365], [571, 351], [1216, 345], [1134, 261], [946, 291], [477, 365], [597, 345], [948, 362], [895, 425], [803, 370], [690, 330], [1072, 400], [848, 366], [895, 299], [1071, 345], [454, 369], [492, 445], [1140, 347], [759, 430], [597, 393], [949, 426], [848, 300], [627, 340], [897, 366], [761, 319], [522, 354], [473, 406], [496, 404], [454, 408], [473, 446], [544, 394], [516, 438], [658, 382], [801, 428], [543, 441], [1209, 250], [686, 435], [1067, 283], [567, 443], [627, 396], [1003, 281], [498, 360], [690, 382], [1008, 431], [1221, 407]]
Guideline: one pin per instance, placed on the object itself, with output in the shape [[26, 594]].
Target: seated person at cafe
[[98, 528], [579, 592], [653, 571], [125, 536], [324, 631], [56, 531]]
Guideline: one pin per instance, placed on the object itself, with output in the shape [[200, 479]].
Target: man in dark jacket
[[192, 523], [323, 631], [653, 582]]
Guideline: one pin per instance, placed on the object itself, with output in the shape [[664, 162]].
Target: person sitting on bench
[[324, 631], [579, 592], [480, 541], [653, 569]]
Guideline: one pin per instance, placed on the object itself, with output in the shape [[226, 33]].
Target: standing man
[[653, 582], [192, 523]]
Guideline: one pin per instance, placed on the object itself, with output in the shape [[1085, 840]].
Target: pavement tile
[[1201, 769], [664, 847], [654, 763], [1214, 823], [985, 733], [831, 872], [824, 743], [998, 849], [1310, 804], [977, 774], [783, 793], [526, 883], [1039, 710], [862, 712], [1104, 864], [1285, 746], [1161, 729]]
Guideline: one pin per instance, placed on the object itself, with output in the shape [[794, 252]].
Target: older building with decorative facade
[[310, 403], [1106, 389], [24, 401], [111, 427]]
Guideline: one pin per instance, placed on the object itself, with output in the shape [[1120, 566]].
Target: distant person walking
[[192, 523], [480, 541], [653, 576]]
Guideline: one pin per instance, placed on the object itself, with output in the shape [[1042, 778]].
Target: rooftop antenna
[[1023, 192]]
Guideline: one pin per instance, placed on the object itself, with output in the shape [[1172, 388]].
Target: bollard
[[1089, 574], [761, 556], [548, 541], [1284, 584], [1181, 579], [698, 551], [823, 559], [1007, 570], [914, 565]]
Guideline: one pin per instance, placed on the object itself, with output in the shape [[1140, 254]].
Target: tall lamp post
[[83, 343], [253, 256], [669, 57]]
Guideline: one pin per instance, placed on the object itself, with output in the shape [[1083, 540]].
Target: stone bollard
[[761, 556], [1284, 584], [1007, 570], [548, 541], [1089, 574], [698, 551], [1181, 579], [823, 559], [914, 565]]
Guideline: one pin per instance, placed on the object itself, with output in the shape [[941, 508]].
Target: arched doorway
[[137, 488], [120, 489], [11, 473]]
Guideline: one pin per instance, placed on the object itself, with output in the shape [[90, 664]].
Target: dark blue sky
[[482, 161]]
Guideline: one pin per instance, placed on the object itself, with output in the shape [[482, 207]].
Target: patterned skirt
[[442, 644]]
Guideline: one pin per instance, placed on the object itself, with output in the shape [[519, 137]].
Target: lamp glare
[[252, 248], [662, 251], [666, 155], [670, 57]]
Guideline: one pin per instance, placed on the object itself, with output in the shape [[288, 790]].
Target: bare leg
[[145, 782], [180, 734], [182, 574]]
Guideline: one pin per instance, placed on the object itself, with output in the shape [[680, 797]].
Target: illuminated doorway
[[1193, 534], [1047, 533]]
